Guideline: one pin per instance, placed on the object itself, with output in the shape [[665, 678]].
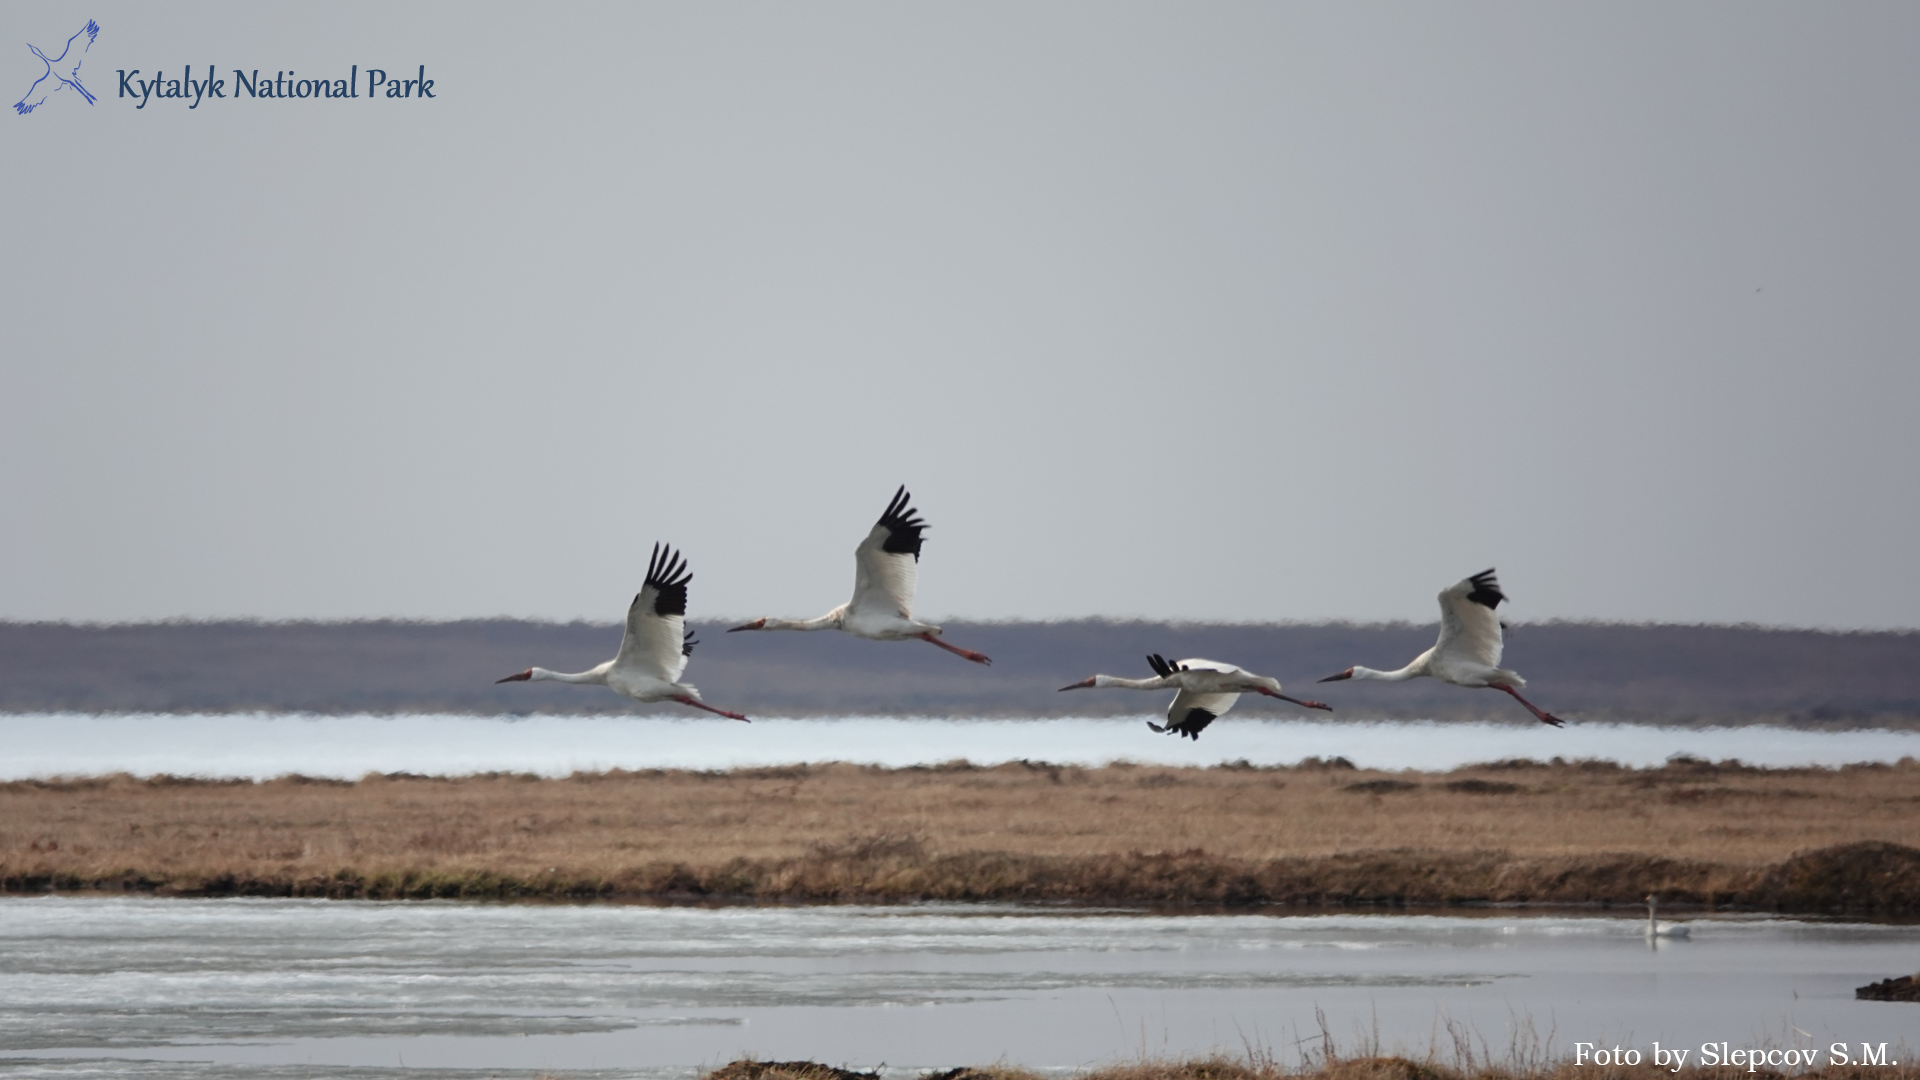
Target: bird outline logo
[[63, 71]]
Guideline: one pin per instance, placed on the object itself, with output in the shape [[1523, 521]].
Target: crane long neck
[[1117, 682], [829, 621], [1411, 671], [597, 675]]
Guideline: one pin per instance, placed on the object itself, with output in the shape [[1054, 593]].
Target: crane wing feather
[[656, 641], [903, 524], [882, 580], [887, 563], [1190, 713], [1469, 628]]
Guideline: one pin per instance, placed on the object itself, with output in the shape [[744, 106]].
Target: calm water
[[351, 746], [294, 988]]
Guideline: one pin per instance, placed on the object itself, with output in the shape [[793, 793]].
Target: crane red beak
[[1081, 685], [522, 677], [757, 624], [1347, 674]]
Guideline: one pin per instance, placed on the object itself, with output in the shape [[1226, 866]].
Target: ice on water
[[145, 987]]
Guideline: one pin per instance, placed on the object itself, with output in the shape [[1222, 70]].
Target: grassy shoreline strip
[[1321, 833], [1864, 878]]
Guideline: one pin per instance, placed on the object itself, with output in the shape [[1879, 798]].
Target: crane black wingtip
[[1191, 724], [1486, 589], [667, 572], [904, 526]]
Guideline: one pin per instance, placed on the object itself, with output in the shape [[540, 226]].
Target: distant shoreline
[[1659, 674]]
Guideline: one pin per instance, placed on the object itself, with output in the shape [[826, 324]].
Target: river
[[348, 747], [155, 988]]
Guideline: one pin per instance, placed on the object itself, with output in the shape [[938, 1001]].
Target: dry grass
[[1579, 832]]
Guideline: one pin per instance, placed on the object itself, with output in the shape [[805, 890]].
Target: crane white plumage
[[1468, 652], [886, 571], [64, 70], [1208, 688], [655, 649]]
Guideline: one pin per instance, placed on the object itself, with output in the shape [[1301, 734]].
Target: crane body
[[886, 573], [1472, 639], [656, 647], [1207, 689]]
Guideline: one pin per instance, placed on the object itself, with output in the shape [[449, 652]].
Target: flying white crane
[[886, 567], [1208, 688], [1468, 652], [657, 644], [1658, 929]]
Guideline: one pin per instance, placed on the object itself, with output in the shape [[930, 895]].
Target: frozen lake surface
[[263, 746], [313, 988]]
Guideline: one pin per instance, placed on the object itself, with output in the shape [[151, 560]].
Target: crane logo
[[60, 73]]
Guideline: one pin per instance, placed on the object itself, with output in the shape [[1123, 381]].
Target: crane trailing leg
[[978, 658], [698, 704], [1545, 718]]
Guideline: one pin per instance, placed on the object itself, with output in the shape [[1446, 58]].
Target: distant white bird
[[657, 644], [1657, 929], [64, 70], [1468, 652], [886, 568], [1208, 688]]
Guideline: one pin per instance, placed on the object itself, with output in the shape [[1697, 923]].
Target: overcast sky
[[1241, 312]]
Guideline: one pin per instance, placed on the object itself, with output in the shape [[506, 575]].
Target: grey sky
[[1246, 312]]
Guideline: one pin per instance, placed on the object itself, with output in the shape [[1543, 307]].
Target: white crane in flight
[[1208, 688], [1468, 652], [656, 647], [886, 568]]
